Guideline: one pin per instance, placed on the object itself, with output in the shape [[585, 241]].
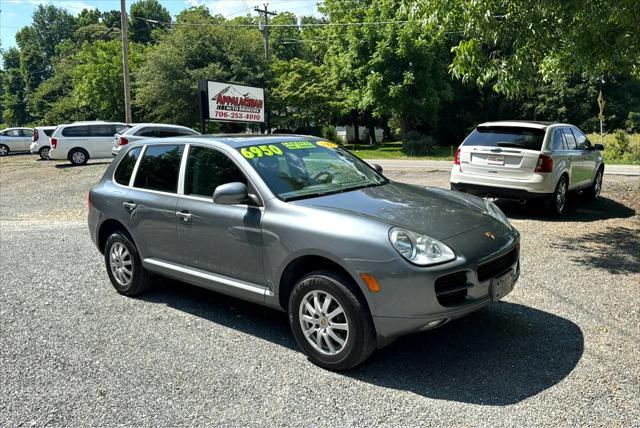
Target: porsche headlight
[[495, 212], [419, 249]]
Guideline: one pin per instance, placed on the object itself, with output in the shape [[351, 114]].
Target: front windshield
[[304, 169]]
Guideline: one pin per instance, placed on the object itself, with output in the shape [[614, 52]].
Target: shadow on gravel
[[580, 210], [616, 250], [68, 165], [498, 356]]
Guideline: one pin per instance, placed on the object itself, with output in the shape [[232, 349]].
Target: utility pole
[[265, 27], [265, 13], [125, 62]]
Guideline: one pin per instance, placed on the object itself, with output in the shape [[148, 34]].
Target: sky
[[15, 14]]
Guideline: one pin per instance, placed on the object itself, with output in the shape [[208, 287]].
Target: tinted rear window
[[503, 136], [125, 168], [75, 131], [48, 132], [159, 168]]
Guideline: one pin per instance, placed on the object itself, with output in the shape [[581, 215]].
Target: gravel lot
[[562, 349]]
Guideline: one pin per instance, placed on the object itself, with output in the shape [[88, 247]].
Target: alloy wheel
[[78, 157], [44, 153], [324, 323], [597, 186], [121, 264], [561, 196], [3, 151]]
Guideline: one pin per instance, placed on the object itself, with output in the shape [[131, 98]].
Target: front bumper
[[408, 300]]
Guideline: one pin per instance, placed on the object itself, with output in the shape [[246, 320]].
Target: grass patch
[[393, 150]]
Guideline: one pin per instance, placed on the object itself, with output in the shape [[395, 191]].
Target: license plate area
[[501, 286], [495, 160]]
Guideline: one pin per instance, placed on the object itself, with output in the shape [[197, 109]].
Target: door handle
[[129, 205], [184, 215]]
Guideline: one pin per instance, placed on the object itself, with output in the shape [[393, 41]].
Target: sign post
[[230, 102]]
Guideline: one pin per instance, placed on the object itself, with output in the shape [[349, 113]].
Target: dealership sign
[[234, 103]]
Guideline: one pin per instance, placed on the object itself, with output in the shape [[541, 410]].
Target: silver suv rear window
[[506, 136]]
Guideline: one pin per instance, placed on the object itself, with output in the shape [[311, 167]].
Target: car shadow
[[500, 355], [579, 210], [69, 165], [616, 250]]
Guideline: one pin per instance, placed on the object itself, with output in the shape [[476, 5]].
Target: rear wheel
[[124, 267], [593, 192], [78, 157], [44, 153], [331, 321], [558, 202], [4, 150]]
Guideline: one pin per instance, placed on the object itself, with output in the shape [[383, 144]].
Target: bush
[[591, 125], [633, 122], [329, 132], [417, 144]]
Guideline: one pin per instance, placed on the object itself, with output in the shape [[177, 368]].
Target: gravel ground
[[562, 349]]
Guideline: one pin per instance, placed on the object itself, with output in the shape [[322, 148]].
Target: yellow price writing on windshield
[[260, 151]]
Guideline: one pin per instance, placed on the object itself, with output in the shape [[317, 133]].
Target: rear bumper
[[497, 192], [59, 154], [537, 185], [34, 147]]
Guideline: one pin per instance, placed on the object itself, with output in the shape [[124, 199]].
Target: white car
[[41, 144], [15, 140], [80, 141], [141, 131], [526, 160]]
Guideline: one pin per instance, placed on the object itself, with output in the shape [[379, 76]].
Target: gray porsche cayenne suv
[[300, 224]]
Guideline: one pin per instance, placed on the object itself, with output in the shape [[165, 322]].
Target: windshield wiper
[[331, 192]]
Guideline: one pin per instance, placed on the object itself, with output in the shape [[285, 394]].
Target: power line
[[315, 24]]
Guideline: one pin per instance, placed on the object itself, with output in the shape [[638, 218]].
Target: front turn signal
[[371, 282]]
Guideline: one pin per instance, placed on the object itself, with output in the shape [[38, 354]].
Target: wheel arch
[[71, 150], [305, 264], [107, 228]]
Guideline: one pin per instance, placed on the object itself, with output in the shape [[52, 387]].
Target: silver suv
[[527, 160], [302, 225]]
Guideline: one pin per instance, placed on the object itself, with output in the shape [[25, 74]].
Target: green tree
[[301, 95], [14, 110], [97, 78], [285, 42], [383, 70], [142, 31], [514, 44], [166, 83]]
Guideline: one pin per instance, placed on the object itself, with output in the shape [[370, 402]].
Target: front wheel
[[44, 153], [4, 150], [124, 267], [331, 321], [593, 192]]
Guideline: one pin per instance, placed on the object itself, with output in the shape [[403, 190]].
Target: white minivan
[[527, 160], [80, 141]]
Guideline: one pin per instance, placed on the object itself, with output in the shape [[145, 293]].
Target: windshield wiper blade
[[330, 192]]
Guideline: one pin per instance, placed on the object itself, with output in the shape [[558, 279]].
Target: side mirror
[[377, 167], [598, 147], [230, 194]]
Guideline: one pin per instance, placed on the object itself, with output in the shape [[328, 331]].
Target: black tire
[[4, 150], [559, 198], [593, 192], [78, 157], [140, 279], [360, 339], [44, 153]]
